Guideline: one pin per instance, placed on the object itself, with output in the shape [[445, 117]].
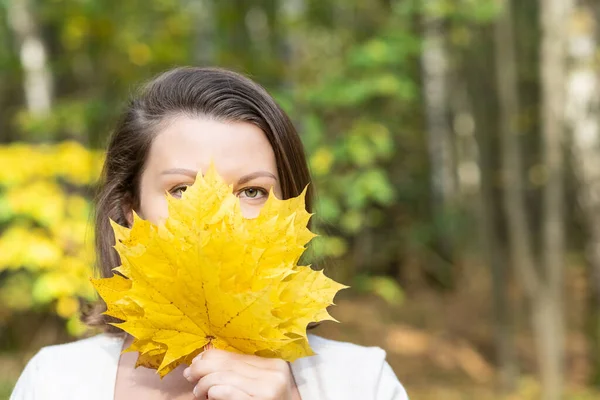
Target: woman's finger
[[224, 392], [223, 378], [261, 362], [203, 367]]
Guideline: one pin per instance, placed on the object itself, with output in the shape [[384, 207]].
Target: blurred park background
[[455, 147]]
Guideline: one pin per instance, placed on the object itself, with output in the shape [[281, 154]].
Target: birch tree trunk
[[434, 65], [583, 116], [519, 233], [37, 80], [547, 306]]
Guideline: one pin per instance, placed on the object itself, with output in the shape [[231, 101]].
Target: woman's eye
[[178, 191], [252, 193]]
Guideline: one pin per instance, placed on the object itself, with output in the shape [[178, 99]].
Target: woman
[[177, 124]]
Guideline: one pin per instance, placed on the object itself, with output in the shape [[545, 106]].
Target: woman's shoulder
[[83, 364], [96, 350], [101, 345], [342, 367], [335, 348]]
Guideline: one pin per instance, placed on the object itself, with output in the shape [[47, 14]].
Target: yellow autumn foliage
[[22, 163], [207, 275], [46, 235]]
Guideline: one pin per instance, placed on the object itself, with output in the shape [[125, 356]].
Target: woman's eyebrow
[[180, 171], [254, 175], [192, 174]]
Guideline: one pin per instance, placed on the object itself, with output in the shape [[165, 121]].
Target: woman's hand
[[222, 375]]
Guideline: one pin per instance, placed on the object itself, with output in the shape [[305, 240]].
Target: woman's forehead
[[236, 148]]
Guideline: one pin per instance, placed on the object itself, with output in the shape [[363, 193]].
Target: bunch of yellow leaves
[[207, 275]]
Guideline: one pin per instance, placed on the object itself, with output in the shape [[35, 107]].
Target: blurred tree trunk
[[548, 301], [275, 42], [496, 259], [479, 56], [290, 12], [205, 36], [37, 80], [519, 233], [583, 116], [233, 46], [434, 67], [542, 283]]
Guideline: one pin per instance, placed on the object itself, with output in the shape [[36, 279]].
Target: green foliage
[[465, 10], [351, 151], [383, 286], [347, 73]]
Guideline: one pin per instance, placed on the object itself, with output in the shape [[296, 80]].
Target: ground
[[440, 344]]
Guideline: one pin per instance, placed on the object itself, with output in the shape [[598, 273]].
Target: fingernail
[[186, 373], [195, 391]]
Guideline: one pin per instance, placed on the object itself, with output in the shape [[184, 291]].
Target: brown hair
[[196, 92]]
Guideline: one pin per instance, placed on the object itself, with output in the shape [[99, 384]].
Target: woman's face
[[240, 152]]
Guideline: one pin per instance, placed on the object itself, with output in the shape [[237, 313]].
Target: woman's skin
[[243, 156]]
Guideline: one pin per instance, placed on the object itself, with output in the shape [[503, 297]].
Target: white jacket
[[87, 369]]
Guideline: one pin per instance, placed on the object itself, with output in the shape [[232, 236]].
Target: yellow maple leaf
[[207, 275]]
